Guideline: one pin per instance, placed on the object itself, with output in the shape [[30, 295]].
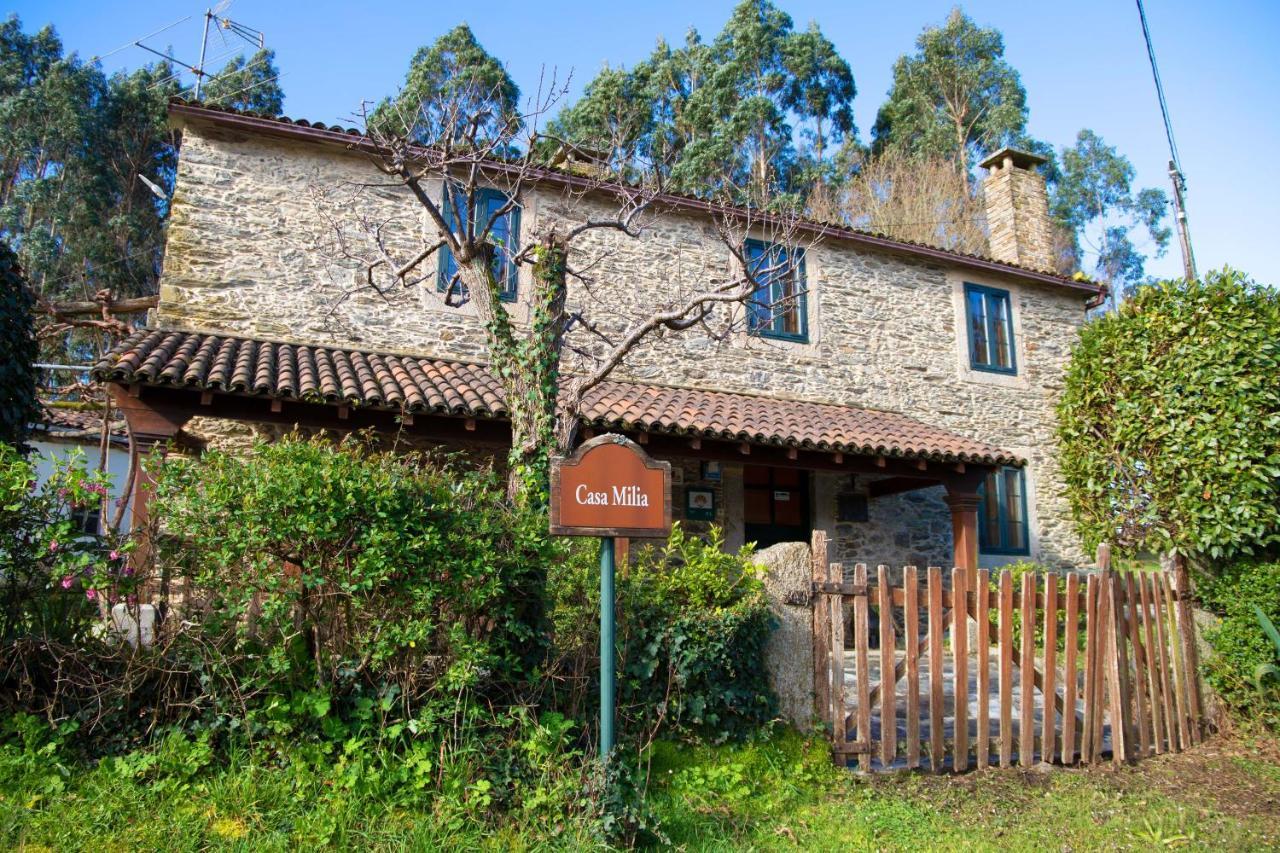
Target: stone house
[[905, 402]]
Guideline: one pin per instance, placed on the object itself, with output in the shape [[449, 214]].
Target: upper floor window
[[1002, 524], [989, 317], [778, 309], [505, 236]]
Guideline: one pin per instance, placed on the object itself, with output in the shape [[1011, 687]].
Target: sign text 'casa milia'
[[610, 487]]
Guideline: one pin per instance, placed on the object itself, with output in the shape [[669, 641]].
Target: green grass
[[779, 794]]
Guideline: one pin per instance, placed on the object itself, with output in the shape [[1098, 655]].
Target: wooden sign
[[610, 487]]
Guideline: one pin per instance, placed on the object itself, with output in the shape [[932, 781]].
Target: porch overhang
[[161, 379], [192, 373]]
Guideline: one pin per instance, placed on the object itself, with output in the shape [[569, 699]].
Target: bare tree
[[456, 153], [917, 197]]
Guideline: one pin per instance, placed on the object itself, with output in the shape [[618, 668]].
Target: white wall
[[117, 466]]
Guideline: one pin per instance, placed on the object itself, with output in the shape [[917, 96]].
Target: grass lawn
[[780, 794]]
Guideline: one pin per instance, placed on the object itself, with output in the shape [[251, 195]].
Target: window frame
[[801, 299], [484, 195], [988, 294], [1002, 549]]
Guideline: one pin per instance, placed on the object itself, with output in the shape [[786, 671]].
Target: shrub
[[1239, 643], [342, 582], [1169, 422], [54, 578], [694, 639]]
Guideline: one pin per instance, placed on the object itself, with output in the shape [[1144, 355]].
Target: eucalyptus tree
[[1095, 197], [457, 74], [250, 85], [956, 96], [752, 110]]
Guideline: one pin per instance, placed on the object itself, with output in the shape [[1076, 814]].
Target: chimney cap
[[1021, 159]]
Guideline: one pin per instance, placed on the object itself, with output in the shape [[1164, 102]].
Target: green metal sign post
[[607, 639], [609, 488]]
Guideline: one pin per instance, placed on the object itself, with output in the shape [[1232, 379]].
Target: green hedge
[[1238, 642]]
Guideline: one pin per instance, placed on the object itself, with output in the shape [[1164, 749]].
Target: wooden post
[[1047, 730], [936, 676], [888, 687], [821, 630], [964, 531], [1026, 674], [835, 608], [1187, 636], [1006, 667], [981, 595], [1070, 669], [911, 607], [861, 632], [960, 656], [1118, 672]]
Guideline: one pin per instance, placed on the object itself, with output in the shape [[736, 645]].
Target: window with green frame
[[989, 317], [779, 308], [505, 235], [1002, 520]]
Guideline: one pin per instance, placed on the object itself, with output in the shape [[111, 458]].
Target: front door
[[775, 504]]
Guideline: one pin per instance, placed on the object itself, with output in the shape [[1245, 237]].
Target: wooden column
[[150, 428], [964, 532]]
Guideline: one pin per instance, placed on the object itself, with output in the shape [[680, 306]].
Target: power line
[[1175, 164]]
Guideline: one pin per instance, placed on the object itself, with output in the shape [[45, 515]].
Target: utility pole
[[1180, 218], [1175, 165]]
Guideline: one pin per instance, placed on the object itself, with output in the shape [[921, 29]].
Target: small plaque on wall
[[711, 471], [699, 504], [852, 508]]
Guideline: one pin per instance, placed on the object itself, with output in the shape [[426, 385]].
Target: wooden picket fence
[[1124, 681]]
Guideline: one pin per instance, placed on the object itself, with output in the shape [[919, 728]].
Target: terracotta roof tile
[[419, 384]]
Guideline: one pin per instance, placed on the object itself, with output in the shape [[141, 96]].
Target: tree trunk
[[528, 368]]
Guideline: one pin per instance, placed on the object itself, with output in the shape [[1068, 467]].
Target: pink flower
[[91, 594], [53, 546], [115, 555], [67, 581]]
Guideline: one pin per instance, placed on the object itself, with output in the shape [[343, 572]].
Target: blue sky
[[1083, 64]]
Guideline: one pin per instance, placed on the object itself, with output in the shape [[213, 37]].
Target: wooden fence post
[[888, 687], [835, 619], [861, 631], [821, 629], [911, 603], [1187, 636]]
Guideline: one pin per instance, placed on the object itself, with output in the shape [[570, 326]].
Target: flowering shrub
[[55, 579]]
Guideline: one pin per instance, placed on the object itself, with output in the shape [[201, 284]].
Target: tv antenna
[[225, 25]]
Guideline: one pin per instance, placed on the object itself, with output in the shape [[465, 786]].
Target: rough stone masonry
[[251, 251]]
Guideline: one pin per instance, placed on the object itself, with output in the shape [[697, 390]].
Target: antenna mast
[[204, 42], [1175, 164]]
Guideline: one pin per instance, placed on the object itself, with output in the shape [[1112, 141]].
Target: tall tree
[[18, 406], [1096, 199], [87, 165], [762, 99], [250, 85], [455, 73], [956, 96]]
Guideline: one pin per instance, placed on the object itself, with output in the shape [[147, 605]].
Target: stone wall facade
[[251, 251]]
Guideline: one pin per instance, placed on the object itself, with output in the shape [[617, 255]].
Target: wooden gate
[[1067, 668]]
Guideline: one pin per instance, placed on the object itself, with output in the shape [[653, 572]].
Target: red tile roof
[[323, 374]]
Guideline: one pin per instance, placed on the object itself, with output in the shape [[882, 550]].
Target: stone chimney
[[1018, 209]]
